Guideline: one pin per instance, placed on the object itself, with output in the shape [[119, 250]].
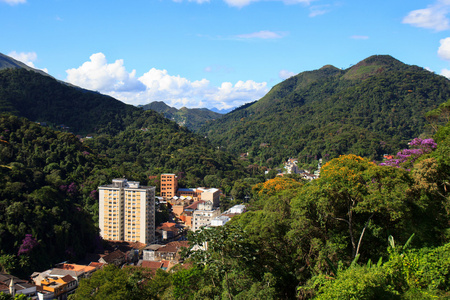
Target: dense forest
[[363, 230], [48, 198], [369, 109], [366, 229], [44, 99], [48, 191], [191, 118]]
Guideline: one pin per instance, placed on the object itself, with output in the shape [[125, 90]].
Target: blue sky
[[216, 53]]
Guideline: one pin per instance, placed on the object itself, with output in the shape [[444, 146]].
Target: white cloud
[[318, 10], [98, 75], [432, 17], [159, 85], [263, 34], [444, 49], [285, 74], [27, 58], [446, 73], [13, 2]]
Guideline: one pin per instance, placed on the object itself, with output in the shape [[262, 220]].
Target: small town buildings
[[203, 215], [219, 221], [127, 211], [117, 258], [291, 166], [60, 287], [237, 209], [167, 231], [160, 253], [149, 253], [13, 285]]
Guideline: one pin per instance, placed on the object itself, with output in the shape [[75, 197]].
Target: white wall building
[[204, 214]]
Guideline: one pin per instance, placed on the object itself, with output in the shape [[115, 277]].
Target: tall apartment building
[[127, 211], [169, 185]]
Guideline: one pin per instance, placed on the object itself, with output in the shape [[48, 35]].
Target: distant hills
[[369, 109], [137, 143], [192, 118]]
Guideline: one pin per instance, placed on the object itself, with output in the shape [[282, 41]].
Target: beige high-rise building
[[127, 211]]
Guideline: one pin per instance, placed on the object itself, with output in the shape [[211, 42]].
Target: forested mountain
[[369, 109], [360, 231], [49, 180], [44, 99], [192, 118], [48, 197]]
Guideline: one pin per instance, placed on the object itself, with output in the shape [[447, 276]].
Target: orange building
[[169, 185]]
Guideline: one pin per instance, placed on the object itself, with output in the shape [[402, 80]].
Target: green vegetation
[[370, 109], [191, 118], [44, 99], [360, 231], [48, 199], [297, 239], [152, 145]]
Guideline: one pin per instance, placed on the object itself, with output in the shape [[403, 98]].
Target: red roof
[[152, 264], [173, 247], [68, 278], [96, 265], [165, 263], [195, 204]]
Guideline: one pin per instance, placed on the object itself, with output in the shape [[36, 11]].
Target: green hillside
[[44, 99], [369, 109], [192, 118]]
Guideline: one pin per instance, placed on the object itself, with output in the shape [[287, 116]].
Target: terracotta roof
[[152, 264], [173, 229], [195, 204], [168, 224], [96, 265], [68, 278], [165, 263], [173, 247], [76, 268], [113, 256]]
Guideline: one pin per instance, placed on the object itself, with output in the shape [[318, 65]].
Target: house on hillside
[[13, 285]]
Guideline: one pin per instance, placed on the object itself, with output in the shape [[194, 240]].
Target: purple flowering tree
[[28, 243], [407, 157]]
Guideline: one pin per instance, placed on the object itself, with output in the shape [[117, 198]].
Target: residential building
[[127, 211], [291, 166], [212, 195], [117, 258], [12, 285], [237, 209], [169, 185], [219, 221], [203, 215]]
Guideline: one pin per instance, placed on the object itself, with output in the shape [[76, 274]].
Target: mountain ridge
[[371, 108], [192, 118]]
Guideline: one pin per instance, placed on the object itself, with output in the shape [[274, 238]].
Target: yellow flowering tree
[[352, 190]]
